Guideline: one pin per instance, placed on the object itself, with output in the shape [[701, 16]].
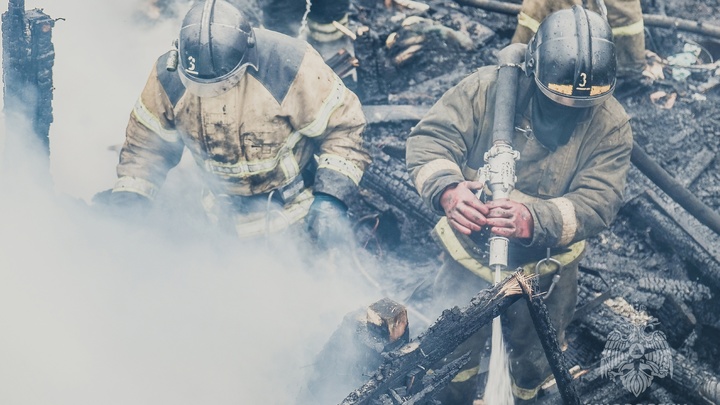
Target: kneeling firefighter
[[574, 142], [274, 130]]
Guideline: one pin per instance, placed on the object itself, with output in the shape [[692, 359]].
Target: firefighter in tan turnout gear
[[574, 142], [262, 115], [624, 16]]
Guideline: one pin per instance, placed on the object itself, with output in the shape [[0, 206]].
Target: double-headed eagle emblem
[[636, 357]]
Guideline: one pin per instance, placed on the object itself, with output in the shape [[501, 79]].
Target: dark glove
[[122, 204], [328, 224], [510, 219]]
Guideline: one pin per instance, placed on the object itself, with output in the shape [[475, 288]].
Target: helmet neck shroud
[[552, 123]]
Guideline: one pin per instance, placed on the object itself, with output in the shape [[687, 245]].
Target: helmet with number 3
[[216, 44], [572, 57]]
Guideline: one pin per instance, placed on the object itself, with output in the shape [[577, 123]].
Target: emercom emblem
[[636, 356]]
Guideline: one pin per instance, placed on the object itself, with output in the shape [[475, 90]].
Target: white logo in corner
[[636, 357]]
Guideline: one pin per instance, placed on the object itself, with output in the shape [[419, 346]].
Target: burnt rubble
[[657, 261], [658, 264]]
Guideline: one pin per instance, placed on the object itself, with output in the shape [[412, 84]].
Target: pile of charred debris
[[657, 269]]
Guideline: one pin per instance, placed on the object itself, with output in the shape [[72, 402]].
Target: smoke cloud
[[99, 311]]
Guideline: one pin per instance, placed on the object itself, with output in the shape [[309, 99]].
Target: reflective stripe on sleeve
[[528, 22], [136, 185], [569, 221], [430, 168], [329, 105], [151, 122], [341, 165], [629, 30]]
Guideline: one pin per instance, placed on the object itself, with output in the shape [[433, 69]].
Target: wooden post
[[404, 368], [355, 350], [548, 338], [28, 59]]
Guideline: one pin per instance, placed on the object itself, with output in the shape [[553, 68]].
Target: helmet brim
[[575, 101], [219, 85]]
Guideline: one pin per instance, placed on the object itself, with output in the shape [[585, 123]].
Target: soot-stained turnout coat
[[288, 112], [572, 193]]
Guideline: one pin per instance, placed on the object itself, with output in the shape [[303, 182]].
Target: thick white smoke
[[96, 311]]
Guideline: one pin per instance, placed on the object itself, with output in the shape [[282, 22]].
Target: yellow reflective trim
[[248, 168], [459, 254], [561, 88], [341, 165], [529, 393], [629, 30], [261, 223], [289, 166], [523, 393], [466, 375], [151, 122], [326, 32], [595, 90], [432, 167], [329, 105], [455, 249], [273, 221], [136, 185], [528, 22], [569, 221]]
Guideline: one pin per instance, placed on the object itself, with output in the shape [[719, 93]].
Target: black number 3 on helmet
[[572, 57]]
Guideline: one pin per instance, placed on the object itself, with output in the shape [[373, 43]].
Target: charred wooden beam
[[28, 59], [665, 229], [679, 193], [368, 45], [389, 177], [689, 291], [389, 321], [356, 349], [342, 63], [405, 367], [438, 380], [689, 379], [593, 388], [548, 338], [677, 319], [650, 20]]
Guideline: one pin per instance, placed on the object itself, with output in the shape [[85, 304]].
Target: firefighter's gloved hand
[[328, 224], [122, 204], [510, 219], [464, 211]]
